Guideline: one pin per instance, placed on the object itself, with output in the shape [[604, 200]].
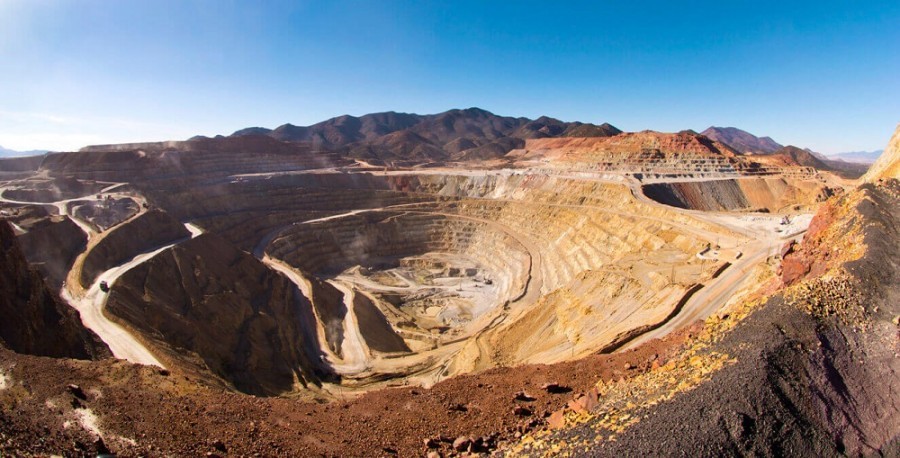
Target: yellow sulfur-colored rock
[[888, 164]]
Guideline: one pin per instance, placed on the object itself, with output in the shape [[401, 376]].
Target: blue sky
[[823, 74]]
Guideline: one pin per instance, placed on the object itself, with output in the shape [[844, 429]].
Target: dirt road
[[90, 305], [355, 353]]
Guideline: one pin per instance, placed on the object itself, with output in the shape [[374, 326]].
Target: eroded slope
[[245, 323], [811, 371], [35, 321]]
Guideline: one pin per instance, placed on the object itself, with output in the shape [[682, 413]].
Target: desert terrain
[[447, 284]]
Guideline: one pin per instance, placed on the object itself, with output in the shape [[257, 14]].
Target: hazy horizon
[[820, 75]]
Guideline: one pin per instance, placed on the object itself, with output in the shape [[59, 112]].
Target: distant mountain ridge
[[4, 152], [458, 134], [861, 157], [741, 140], [747, 143], [803, 157]]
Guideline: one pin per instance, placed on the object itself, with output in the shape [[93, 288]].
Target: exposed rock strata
[[811, 372], [888, 164], [247, 324], [35, 321], [20, 164], [754, 194], [52, 244], [150, 230]]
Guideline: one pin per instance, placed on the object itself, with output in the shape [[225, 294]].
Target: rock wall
[[247, 324], [21, 164], [52, 245], [150, 230], [888, 164], [753, 194], [35, 320], [375, 329]]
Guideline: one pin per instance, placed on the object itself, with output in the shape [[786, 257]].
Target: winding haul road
[[91, 302], [354, 352], [716, 293], [355, 356], [90, 305], [712, 295]]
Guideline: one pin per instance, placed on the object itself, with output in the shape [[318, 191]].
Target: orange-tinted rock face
[[795, 268], [808, 259], [888, 165], [824, 242], [681, 142]]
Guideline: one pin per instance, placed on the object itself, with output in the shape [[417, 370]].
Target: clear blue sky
[[822, 74]]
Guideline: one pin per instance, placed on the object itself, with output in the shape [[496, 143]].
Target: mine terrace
[[446, 284]]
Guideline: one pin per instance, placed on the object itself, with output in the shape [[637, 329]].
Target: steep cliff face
[[34, 320], [767, 194], [374, 328], [52, 246], [21, 164], [249, 325], [888, 164], [144, 233]]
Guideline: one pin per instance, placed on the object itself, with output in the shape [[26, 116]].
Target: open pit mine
[[447, 284]]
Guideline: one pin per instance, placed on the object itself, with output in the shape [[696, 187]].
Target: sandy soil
[[140, 411]]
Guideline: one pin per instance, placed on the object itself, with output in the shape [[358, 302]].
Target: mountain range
[[13, 153], [861, 157], [747, 143], [742, 141], [477, 134], [459, 134]]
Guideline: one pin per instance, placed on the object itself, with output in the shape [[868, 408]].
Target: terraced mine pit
[[374, 277], [367, 300]]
